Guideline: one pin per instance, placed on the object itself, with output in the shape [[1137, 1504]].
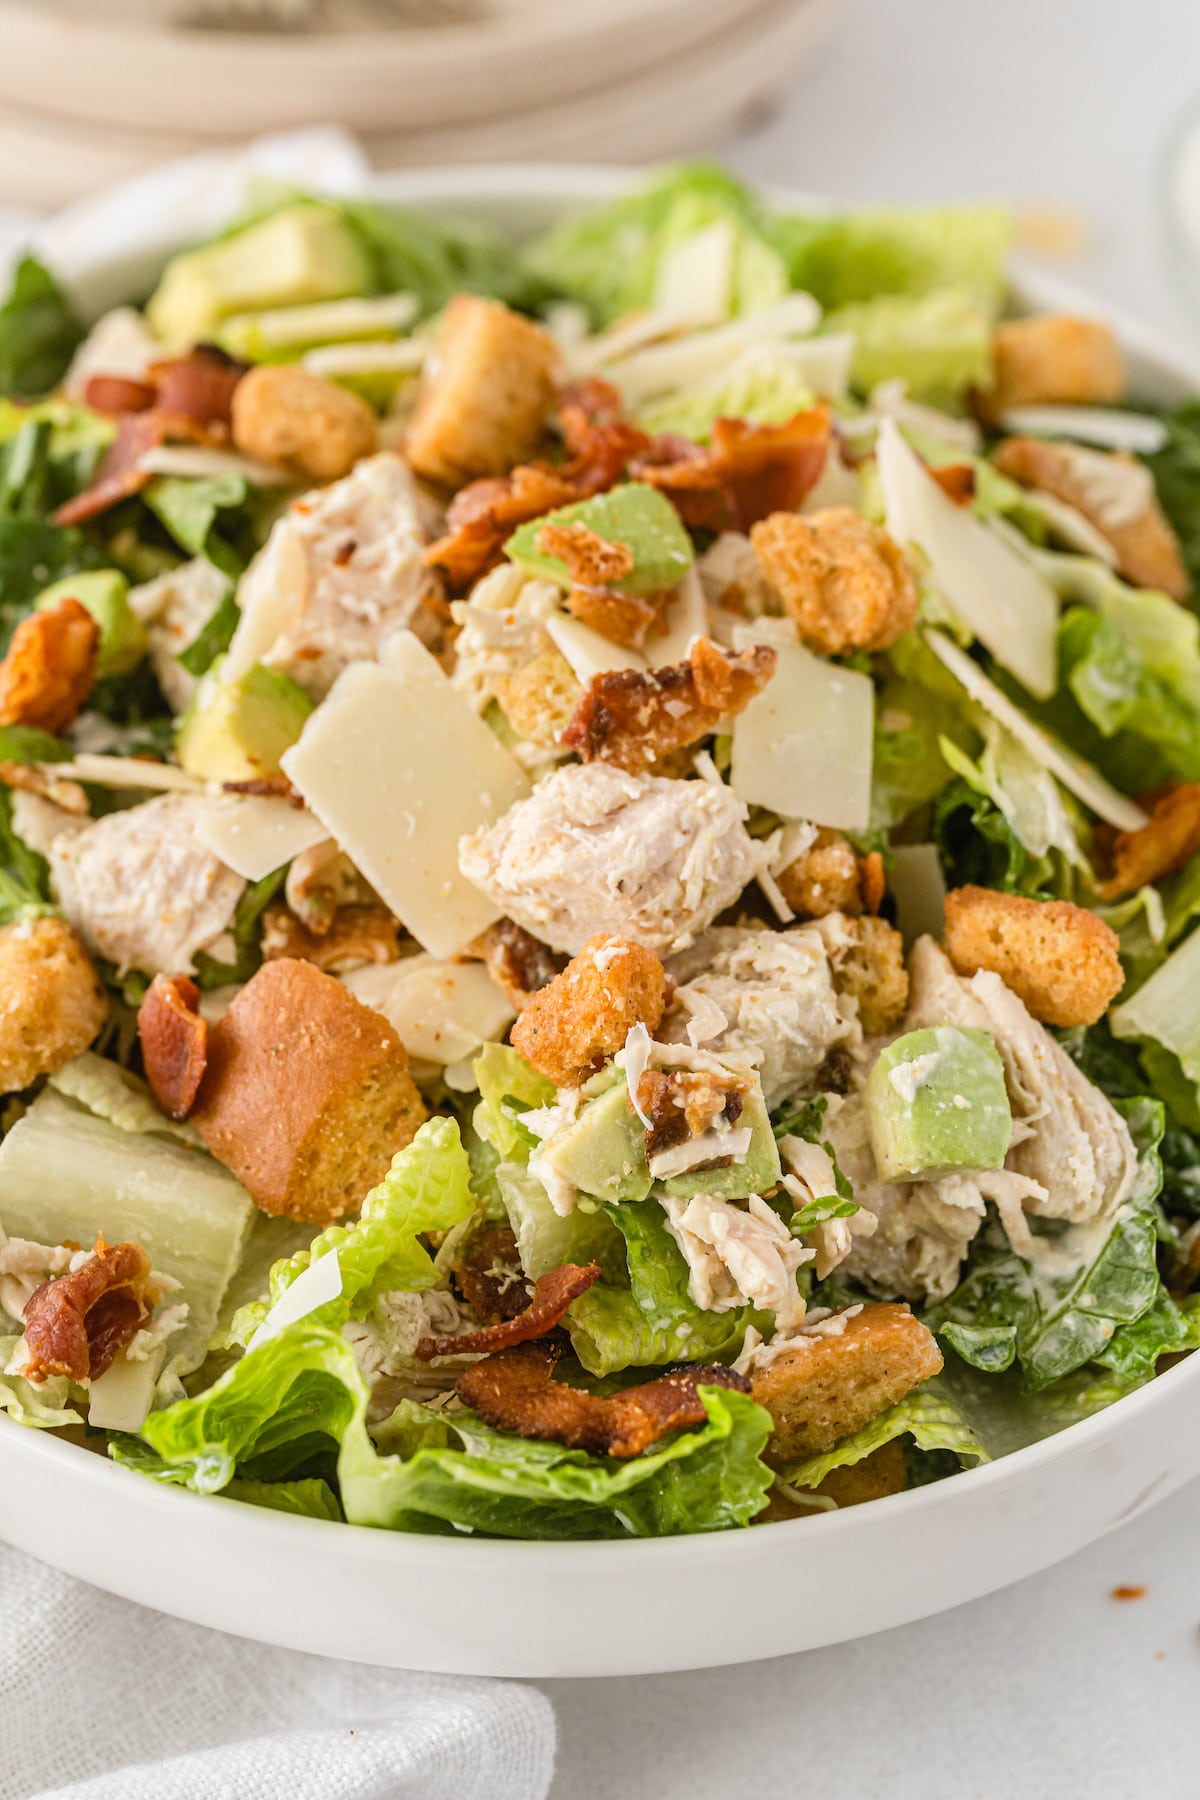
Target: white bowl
[[480, 1606]]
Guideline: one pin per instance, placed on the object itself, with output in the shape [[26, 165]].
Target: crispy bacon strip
[[270, 787], [75, 1324], [520, 964], [119, 474], [746, 473], [48, 670], [489, 1275], [515, 1391], [174, 1043], [116, 394], [630, 717], [1169, 839], [552, 1295], [195, 392], [592, 561]]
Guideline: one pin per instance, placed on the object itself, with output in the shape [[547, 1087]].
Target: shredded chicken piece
[[738, 1257], [515, 1390]]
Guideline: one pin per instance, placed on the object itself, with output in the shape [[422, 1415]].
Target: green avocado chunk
[[105, 594], [235, 731], [298, 256], [633, 514], [936, 1100], [604, 1153]]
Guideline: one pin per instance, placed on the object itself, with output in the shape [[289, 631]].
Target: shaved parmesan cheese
[[1139, 432], [636, 1057], [588, 652], [1003, 601], [272, 595], [804, 746], [1071, 527], [320, 1283], [193, 461], [254, 835], [443, 1011], [127, 772], [119, 1399], [717, 1142], [690, 360], [695, 276], [621, 340], [398, 768], [368, 358], [916, 884], [687, 619], [1076, 775], [1164, 1008], [281, 326]]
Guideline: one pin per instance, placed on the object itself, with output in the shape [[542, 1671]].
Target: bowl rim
[[564, 184]]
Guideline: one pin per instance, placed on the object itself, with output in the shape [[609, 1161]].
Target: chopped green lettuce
[[508, 1086], [39, 332], [1176, 472], [309, 1498], [547, 1239], [938, 343], [48, 1406], [207, 516], [846, 257], [930, 1418], [769, 389]]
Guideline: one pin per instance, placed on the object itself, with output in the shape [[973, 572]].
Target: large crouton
[[485, 398], [1053, 360], [1116, 494], [832, 1384], [50, 666], [285, 414], [867, 956], [586, 1013], [1170, 838], [823, 879], [539, 697], [306, 1096], [52, 1003], [1060, 959], [844, 581]]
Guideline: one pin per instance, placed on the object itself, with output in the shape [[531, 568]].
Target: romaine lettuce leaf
[[427, 1188], [938, 344], [39, 332], [310, 1498], [769, 390], [207, 516], [1176, 472], [1062, 1322], [33, 554], [846, 257], [928, 1417], [508, 1086], [546, 1239], [48, 1406]]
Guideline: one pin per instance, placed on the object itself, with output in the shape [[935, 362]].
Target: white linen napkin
[[104, 1700]]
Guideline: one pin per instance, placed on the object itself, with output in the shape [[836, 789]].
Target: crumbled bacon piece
[[269, 787], [622, 618], [592, 561], [76, 1324], [685, 1103], [746, 473], [552, 1295], [120, 473], [174, 1043], [116, 394], [483, 515], [195, 392], [631, 718], [357, 934], [489, 1276], [515, 1391], [520, 964], [50, 666], [956, 480], [1170, 838]]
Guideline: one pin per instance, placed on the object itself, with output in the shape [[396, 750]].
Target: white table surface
[[1053, 1689]]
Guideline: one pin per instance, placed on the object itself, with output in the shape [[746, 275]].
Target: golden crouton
[[49, 667], [830, 1386], [846, 584], [52, 1003], [871, 967], [1116, 494], [884, 1472], [539, 698], [285, 414], [484, 401], [1170, 838], [306, 1095], [1053, 360], [1060, 959], [824, 878], [586, 1013]]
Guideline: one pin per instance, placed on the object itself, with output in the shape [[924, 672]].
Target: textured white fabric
[[103, 1700]]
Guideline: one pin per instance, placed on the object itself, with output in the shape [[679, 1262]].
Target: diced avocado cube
[[936, 1100], [635, 515], [105, 594], [301, 255], [757, 1173], [603, 1152], [235, 731]]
